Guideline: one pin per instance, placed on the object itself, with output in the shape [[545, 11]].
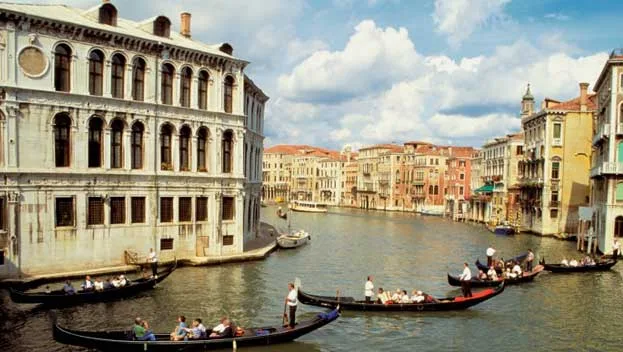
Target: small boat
[[520, 258], [431, 212], [308, 207], [59, 298], [282, 214], [504, 230], [442, 304], [599, 266], [294, 239], [119, 341], [526, 277]]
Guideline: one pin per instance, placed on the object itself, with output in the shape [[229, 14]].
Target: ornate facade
[[120, 136]]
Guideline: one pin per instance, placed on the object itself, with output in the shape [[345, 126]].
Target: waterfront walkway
[[256, 249]]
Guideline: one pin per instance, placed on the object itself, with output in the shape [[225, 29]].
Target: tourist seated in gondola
[[227, 331], [430, 299], [197, 330], [98, 285], [586, 261], [381, 297], [396, 296], [564, 262], [482, 275], [418, 297], [141, 331], [179, 333], [68, 288], [122, 281], [492, 274], [517, 269], [108, 284], [508, 274], [573, 263], [116, 282], [404, 298], [220, 327], [87, 285]]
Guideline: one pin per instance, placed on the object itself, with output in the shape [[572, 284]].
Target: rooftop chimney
[[185, 20], [583, 96], [105, 1]]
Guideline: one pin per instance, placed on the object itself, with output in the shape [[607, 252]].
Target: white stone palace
[[118, 135]]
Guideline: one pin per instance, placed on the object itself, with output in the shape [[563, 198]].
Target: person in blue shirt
[[68, 289], [179, 333]]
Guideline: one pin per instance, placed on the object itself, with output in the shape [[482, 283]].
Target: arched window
[[95, 142], [162, 27], [62, 68], [618, 226], [167, 84], [166, 133], [228, 94], [96, 72], [187, 76], [227, 146], [138, 79], [62, 140], [203, 90], [185, 148], [117, 76], [108, 15], [116, 145], [202, 147], [137, 145]]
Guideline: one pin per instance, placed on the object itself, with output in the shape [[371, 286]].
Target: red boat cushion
[[474, 295]]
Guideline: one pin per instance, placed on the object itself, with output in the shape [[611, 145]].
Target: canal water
[[577, 312]]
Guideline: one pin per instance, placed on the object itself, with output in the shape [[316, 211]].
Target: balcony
[[554, 204], [604, 169], [602, 131]]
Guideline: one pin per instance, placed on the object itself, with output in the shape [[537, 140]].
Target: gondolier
[[466, 278], [616, 248], [369, 290], [292, 302], [529, 260], [490, 254], [153, 260]]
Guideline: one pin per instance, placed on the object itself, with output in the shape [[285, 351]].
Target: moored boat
[[58, 298], [441, 304], [294, 239], [599, 266], [431, 212], [525, 277], [308, 207], [119, 341], [504, 230]]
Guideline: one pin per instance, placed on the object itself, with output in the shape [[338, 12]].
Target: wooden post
[[579, 235]]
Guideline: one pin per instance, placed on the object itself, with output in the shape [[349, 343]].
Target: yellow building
[[554, 175]]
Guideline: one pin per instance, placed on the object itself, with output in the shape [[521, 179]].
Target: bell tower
[[527, 103]]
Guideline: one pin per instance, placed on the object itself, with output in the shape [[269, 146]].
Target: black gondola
[[119, 341], [526, 277], [599, 266], [520, 258], [442, 304], [58, 298]]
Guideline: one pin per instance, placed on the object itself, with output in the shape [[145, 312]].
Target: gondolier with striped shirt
[[466, 278], [292, 301]]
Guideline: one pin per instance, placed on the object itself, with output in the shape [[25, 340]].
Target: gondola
[[526, 277], [442, 304], [59, 298], [520, 258], [120, 341], [599, 266], [282, 215]]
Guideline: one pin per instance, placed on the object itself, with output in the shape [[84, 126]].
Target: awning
[[485, 189]]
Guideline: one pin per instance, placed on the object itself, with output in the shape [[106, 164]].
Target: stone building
[[607, 157], [554, 173], [277, 172], [458, 182], [377, 166], [120, 136]]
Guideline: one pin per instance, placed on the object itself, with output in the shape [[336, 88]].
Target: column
[[126, 148], [107, 79], [215, 152], [106, 149], [194, 91], [127, 83], [11, 137], [176, 88], [175, 152], [192, 153], [239, 242]]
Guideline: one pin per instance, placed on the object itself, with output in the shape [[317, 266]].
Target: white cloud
[[372, 57], [557, 16], [459, 126], [299, 49], [458, 19]]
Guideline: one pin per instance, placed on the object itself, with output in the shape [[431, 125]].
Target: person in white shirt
[[573, 262], [99, 285], [382, 296], [396, 296], [616, 248], [153, 261], [418, 297], [116, 282], [87, 285], [369, 290], [492, 274], [529, 260], [466, 278], [404, 297], [490, 254], [564, 262], [220, 327], [122, 281], [517, 269], [291, 301]]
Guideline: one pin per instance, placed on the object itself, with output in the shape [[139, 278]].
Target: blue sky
[[360, 72]]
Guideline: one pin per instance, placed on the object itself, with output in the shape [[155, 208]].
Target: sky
[[362, 72]]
